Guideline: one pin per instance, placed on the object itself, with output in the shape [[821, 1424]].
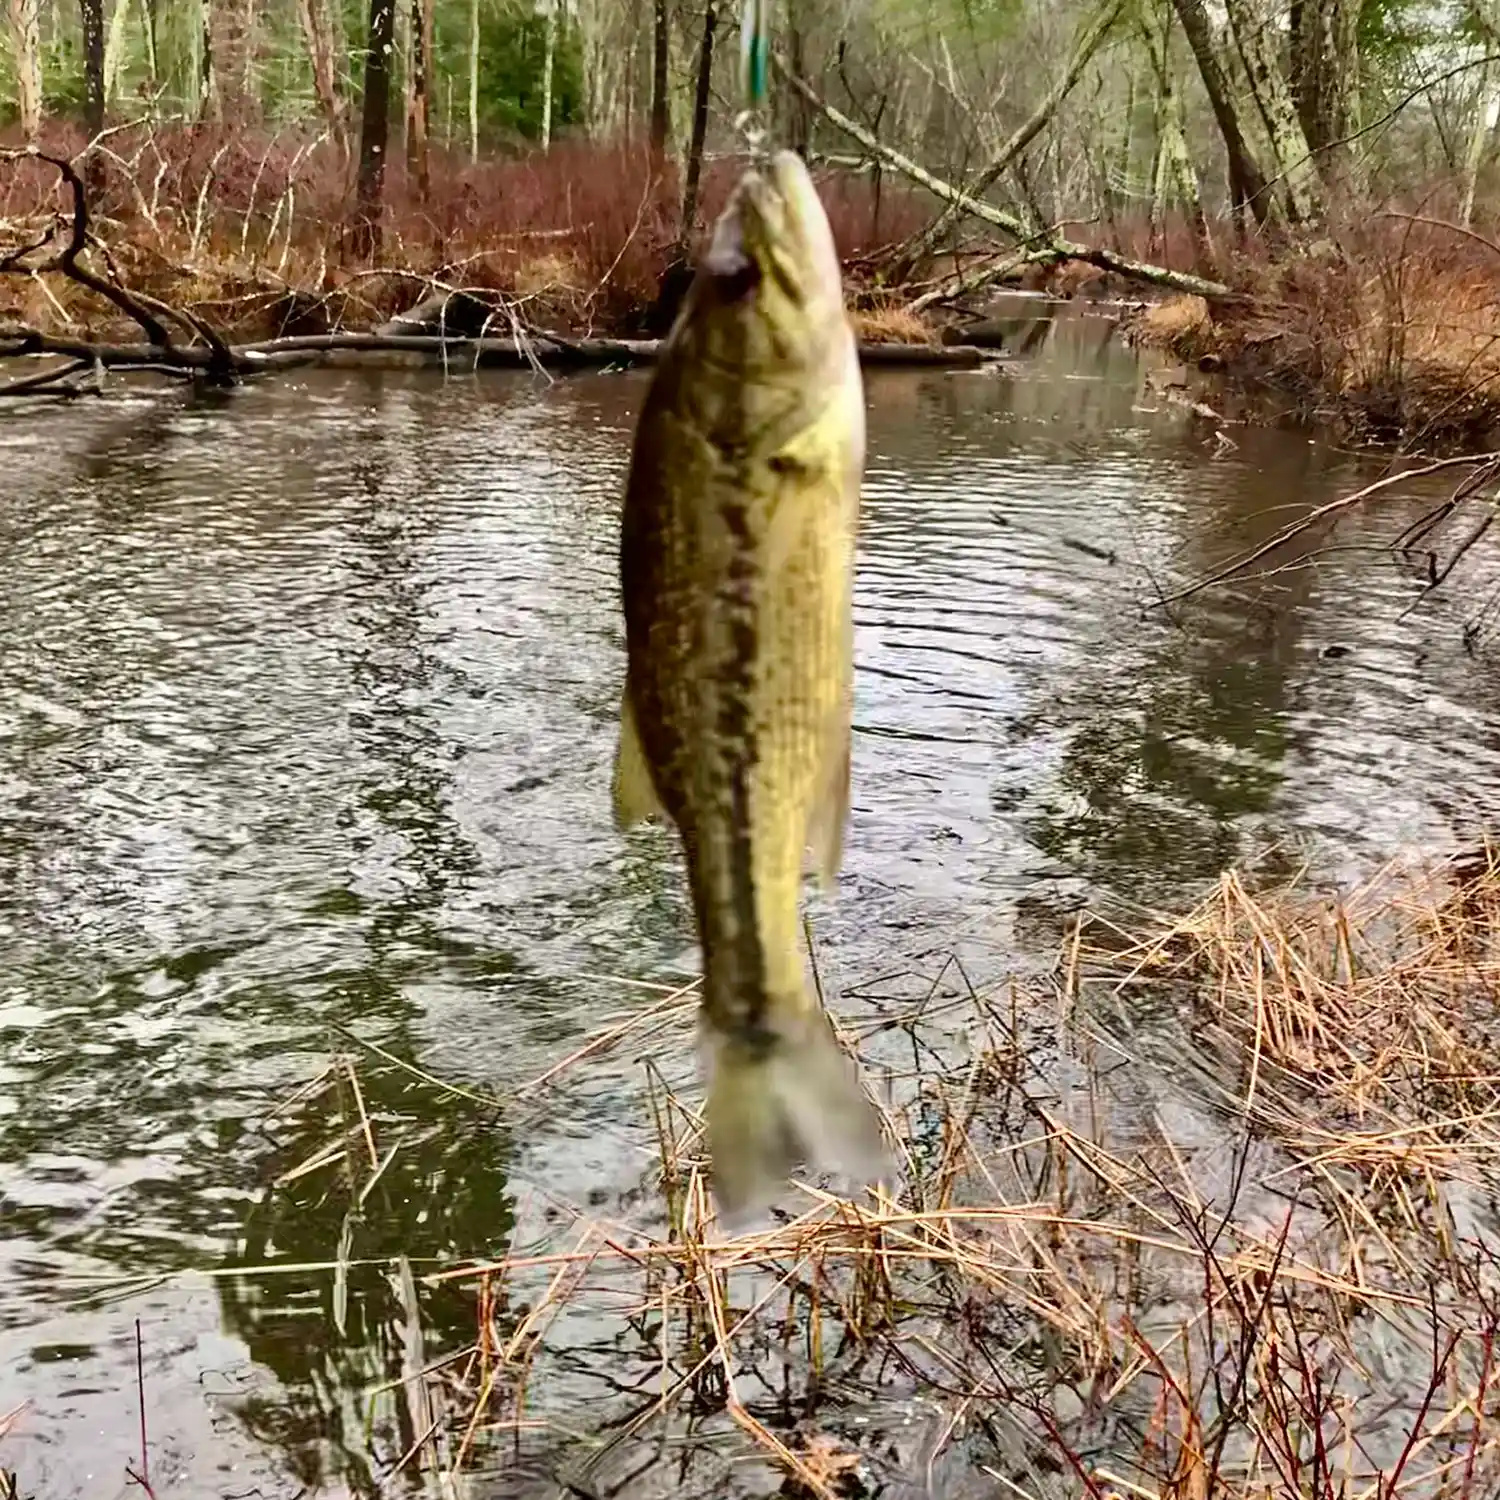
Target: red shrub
[[583, 231]]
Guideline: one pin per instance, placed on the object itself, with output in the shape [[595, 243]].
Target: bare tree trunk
[[1247, 183], [597, 77], [1322, 62], [799, 131], [631, 65], [318, 31], [114, 50], [91, 13], [27, 46], [549, 51], [231, 25], [203, 57], [679, 273], [148, 25], [1478, 140], [419, 99], [1177, 177], [473, 80], [701, 94], [661, 115], [1494, 148], [1156, 213], [1258, 48], [247, 83], [400, 78], [1117, 163], [375, 128]]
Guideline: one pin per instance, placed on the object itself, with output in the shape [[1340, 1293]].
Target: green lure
[[755, 53]]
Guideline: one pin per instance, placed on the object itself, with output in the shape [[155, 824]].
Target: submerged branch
[[52, 382]]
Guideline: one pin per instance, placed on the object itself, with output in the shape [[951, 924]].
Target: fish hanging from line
[[736, 569]]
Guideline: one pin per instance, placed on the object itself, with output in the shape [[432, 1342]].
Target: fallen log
[[451, 328], [551, 351], [944, 356]]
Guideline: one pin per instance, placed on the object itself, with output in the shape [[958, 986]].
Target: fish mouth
[[761, 234], [728, 261]]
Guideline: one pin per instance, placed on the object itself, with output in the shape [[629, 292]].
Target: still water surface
[[307, 707]]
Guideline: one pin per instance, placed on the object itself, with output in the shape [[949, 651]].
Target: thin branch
[[1296, 528], [67, 261], [1090, 37], [1386, 118], [1106, 260], [43, 380], [1488, 243], [1441, 577]]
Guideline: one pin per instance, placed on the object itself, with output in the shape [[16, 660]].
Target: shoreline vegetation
[[1357, 285], [185, 249], [1203, 1212]]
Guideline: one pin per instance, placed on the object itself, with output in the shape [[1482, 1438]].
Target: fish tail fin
[[787, 1097]]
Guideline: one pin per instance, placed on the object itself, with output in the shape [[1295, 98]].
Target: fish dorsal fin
[[634, 791]]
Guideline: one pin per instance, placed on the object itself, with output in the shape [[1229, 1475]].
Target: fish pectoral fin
[[831, 811], [810, 454], [634, 791]]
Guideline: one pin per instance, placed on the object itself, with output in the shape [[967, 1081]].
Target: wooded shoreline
[[1290, 212]]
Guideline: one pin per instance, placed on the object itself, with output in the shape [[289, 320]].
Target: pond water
[[307, 703]]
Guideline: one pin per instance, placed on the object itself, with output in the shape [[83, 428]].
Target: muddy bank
[[1403, 352]]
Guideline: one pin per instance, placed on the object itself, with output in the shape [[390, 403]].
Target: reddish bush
[[237, 222]]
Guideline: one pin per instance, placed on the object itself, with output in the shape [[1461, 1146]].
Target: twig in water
[[46, 381], [1440, 577], [143, 1478]]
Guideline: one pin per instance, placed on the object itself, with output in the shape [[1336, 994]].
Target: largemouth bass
[[736, 565]]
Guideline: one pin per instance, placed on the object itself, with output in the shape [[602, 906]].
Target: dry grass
[[888, 322], [1242, 1251], [1175, 322], [1366, 1032], [249, 231]]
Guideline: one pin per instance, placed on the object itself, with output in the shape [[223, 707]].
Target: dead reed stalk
[[1298, 1296]]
